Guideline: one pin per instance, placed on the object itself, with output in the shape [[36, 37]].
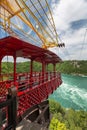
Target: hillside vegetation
[[62, 119], [67, 119], [73, 67], [67, 67]]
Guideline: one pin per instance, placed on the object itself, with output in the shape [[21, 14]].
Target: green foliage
[[73, 120], [20, 67], [57, 125], [73, 67], [7, 67], [23, 67], [55, 107], [37, 66], [68, 67]]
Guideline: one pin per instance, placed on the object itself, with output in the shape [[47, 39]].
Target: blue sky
[[70, 18]]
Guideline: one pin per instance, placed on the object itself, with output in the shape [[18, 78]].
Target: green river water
[[72, 93]]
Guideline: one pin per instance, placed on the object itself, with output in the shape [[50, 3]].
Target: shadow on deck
[[36, 118]]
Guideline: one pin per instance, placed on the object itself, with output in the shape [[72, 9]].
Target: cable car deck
[[27, 89]]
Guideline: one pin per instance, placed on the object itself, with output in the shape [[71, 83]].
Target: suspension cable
[[45, 13], [41, 16], [83, 43], [29, 22], [52, 20], [26, 35], [23, 36]]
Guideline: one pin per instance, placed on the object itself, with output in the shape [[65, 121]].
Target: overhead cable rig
[[61, 45], [32, 16], [51, 44]]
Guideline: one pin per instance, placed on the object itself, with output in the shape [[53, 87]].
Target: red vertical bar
[[43, 71], [14, 68], [46, 72], [54, 69], [0, 66], [47, 67], [39, 78], [31, 72], [31, 68]]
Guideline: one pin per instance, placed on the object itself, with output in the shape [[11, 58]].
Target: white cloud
[[74, 38], [64, 13], [67, 11], [11, 59]]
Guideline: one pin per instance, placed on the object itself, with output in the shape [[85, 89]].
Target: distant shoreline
[[78, 68], [73, 74], [82, 75]]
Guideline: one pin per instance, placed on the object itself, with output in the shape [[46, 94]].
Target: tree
[[57, 125], [55, 107]]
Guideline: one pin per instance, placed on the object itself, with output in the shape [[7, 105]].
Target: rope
[[4, 23], [83, 43], [42, 18], [45, 14], [7, 65], [23, 36], [52, 20]]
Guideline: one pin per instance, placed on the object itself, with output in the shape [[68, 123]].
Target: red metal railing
[[32, 89]]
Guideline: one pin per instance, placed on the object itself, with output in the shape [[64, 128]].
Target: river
[[72, 93]]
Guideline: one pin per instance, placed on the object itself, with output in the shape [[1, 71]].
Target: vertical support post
[[54, 69], [0, 66], [31, 68], [14, 68], [12, 108], [31, 71], [43, 70], [47, 67], [1, 77], [39, 78], [0, 119], [46, 72]]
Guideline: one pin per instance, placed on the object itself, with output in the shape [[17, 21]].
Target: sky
[[70, 18]]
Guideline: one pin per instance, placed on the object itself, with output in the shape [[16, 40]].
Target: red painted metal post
[[46, 72], [31, 71], [0, 66], [39, 77], [31, 67], [14, 68], [46, 67], [43, 70], [54, 69]]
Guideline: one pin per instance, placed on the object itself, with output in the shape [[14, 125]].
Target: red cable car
[[32, 87]]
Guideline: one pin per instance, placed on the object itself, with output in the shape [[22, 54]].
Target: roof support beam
[[14, 67]]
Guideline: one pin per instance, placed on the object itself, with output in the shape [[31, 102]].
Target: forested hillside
[[62, 119], [73, 67], [68, 67], [67, 119]]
